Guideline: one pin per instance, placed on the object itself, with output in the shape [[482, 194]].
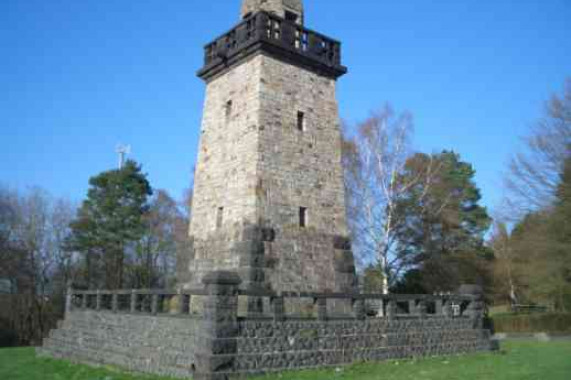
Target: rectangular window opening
[[228, 110], [219, 217], [303, 216], [300, 121]]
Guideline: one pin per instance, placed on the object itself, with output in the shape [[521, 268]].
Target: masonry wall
[[256, 169], [166, 345], [162, 345], [302, 168], [273, 346]]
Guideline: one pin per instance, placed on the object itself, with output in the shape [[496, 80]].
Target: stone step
[[127, 342], [271, 361], [126, 332], [164, 355], [133, 323], [161, 363], [269, 329], [278, 344]]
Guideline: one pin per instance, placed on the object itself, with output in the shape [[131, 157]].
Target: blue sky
[[79, 77]]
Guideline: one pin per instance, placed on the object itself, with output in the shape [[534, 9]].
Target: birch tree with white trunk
[[374, 160]]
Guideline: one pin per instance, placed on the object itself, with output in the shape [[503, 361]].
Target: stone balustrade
[[162, 332], [362, 306], [277, 36]]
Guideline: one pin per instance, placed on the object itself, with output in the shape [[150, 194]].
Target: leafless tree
[[505, 264], [534, 172], [31, 257]]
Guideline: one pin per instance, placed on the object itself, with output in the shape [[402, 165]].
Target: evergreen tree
[[109, 222], [443, 227]]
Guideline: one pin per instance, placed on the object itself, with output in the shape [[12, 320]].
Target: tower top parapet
[[291, 10]]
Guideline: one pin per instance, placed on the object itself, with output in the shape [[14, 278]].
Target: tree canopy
[[110, 221]]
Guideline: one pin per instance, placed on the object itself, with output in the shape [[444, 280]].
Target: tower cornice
[[277, 37]]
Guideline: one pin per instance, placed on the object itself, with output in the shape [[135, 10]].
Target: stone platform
[[153, 334]]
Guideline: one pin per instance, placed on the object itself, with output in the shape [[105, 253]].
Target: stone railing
[[135, 301], [277, 35], [272, 305], [231, 341]]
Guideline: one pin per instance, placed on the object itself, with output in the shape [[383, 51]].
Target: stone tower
[[269, 198]]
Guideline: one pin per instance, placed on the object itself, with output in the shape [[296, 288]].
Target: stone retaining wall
[[220, 345], [162, 345], [274, 346]]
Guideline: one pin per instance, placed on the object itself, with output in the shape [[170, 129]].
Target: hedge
[[532, 323]]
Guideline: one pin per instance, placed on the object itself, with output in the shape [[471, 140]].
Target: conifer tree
[[109, 222]]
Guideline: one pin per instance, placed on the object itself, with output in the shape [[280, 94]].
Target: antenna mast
[[122, 150]]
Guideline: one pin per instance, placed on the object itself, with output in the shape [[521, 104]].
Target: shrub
[[532, 323]]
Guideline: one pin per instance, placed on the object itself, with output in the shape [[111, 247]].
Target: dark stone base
[[174, 346]]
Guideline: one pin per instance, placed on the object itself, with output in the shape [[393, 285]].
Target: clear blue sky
[[79, 77]]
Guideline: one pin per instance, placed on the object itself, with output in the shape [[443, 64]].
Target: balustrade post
[[438, 305], [84, 301], [476, 307], [133, 302], [391, 309], [115, 302], [359, 308], [69, 299], [412, 307], [217, 350], [181, 299], [154, 304], [321, 308], [278, 308], [447, 309], [98, 300], [422, 309]]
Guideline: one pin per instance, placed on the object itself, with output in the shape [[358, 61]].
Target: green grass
[[22, 364], [516, 361]]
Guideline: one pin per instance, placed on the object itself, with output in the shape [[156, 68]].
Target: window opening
[[228, 110], [303, 216], [219, 217], [300, 121]]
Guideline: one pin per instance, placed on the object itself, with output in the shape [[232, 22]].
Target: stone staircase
[[161, 345]]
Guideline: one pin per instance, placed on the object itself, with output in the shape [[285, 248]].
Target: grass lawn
[[517, 360]]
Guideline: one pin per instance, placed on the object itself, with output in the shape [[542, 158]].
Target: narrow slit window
[[219, 217], [300, 121], [228, 110], [303, 216]]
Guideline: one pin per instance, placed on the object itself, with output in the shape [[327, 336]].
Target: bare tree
[[374, 161], [505, 265], [155, 261], [31, 254], [534, 172]]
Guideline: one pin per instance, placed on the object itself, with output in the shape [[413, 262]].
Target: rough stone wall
[[162, 345], [301, 169], [274, 346], [260, 168], [168, 345], [222, 345], [226, 172], [226, 167]]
